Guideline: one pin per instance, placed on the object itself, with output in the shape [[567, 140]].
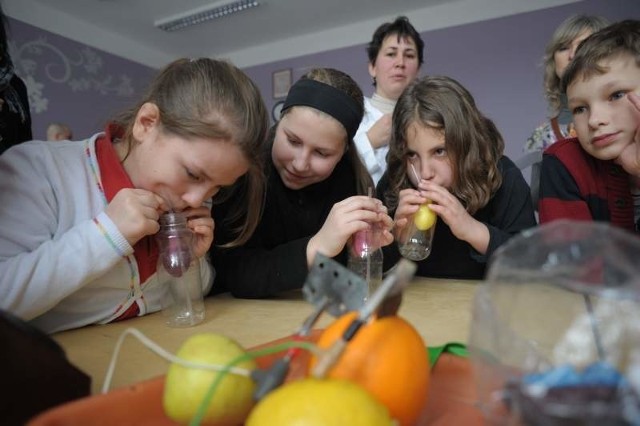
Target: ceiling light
[[203, 14]]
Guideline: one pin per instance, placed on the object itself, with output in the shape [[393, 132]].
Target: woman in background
[[558, 53], [395, 57], [315, 197]]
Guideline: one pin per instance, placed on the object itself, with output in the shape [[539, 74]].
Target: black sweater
[[13, 130], [275, 257], [508, 212]]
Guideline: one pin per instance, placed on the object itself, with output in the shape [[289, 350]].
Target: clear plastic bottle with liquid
[[179, 269], [365, 257]]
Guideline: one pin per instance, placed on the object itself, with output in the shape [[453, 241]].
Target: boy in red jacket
[[596, 175]]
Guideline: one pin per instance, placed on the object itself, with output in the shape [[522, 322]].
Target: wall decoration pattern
[[71, 82], [41, 63]]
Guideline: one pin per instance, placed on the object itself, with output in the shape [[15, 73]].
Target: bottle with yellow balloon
[[415, 240]]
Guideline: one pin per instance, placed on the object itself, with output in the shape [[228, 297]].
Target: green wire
[[206, 400]]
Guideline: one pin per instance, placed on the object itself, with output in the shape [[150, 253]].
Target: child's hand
[[629, 159], [346, 218], [409, 201], [135, 212], [453, 213], [201, 223]]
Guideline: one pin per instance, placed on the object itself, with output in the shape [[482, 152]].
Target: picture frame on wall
[[281, 83]]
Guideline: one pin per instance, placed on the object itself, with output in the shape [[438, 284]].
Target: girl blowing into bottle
[[78, 217], [445, 152]]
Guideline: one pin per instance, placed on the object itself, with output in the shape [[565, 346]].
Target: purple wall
[[497, 60], [71, 82]]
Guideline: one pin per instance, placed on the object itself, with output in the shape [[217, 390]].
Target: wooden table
[[439, 309]]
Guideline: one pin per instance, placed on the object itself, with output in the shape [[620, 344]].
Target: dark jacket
[[508, 212], [14, 128], [274, 259]]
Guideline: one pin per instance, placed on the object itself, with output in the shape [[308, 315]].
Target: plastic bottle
[[365, 257], [179, 270], [415, 243]]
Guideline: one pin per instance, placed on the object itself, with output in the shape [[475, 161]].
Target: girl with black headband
[[315, 197]]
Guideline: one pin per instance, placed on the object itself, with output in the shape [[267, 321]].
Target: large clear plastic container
[[555, 335]]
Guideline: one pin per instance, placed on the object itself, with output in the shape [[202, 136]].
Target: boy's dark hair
[[621, 38], [402, 28]]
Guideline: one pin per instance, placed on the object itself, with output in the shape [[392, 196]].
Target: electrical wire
[[163, 353], [269, 350], [222, 369]]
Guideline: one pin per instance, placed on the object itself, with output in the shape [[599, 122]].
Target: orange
[[388, 358]]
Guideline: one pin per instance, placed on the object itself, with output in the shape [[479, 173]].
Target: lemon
[[319, 402], [424, 217], [185, 387]]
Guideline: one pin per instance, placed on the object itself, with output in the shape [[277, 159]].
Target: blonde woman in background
[[558, 53]]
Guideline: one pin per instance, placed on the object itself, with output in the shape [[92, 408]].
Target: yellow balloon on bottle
[[424, 218]]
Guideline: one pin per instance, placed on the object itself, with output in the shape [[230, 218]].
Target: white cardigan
[[63, 262]]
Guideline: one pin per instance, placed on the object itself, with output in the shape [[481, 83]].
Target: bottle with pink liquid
[[365, 257], [179, 270]]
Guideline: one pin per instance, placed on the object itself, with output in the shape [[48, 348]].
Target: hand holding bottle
[[135, 213], [200, 222], [347, 217]]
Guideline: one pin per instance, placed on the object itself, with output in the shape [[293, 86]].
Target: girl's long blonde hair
[[212, 99], [568, 30]]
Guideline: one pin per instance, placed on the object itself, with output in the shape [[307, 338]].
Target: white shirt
[[375, 160]]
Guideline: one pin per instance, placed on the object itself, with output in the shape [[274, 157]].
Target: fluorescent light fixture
[[203, 14]]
